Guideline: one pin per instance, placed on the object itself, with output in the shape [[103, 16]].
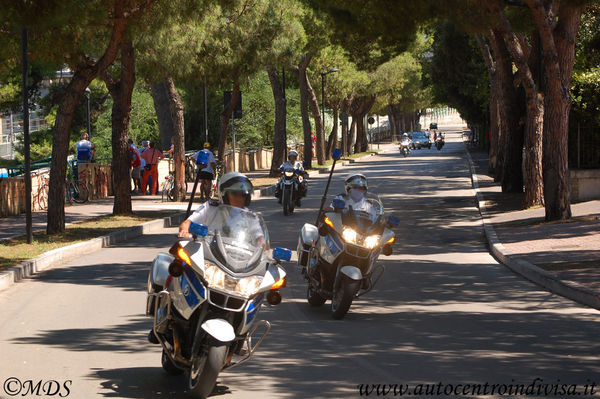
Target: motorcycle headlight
[[214, 276], [248, 286], [217, 278], [372, 241], [288, 174], [349, 235]]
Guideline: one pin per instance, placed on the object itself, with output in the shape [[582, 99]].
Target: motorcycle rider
[[356, 189], [293, 163], [235, 189], [405, 140]]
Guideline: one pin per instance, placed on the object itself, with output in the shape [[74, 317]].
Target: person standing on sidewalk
[[136, 170], [151, 156]]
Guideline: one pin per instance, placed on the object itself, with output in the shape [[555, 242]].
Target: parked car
[[433, 126], [419, 140]]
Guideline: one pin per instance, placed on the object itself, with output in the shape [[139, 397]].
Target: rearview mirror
[[336, 154], [200, 230], [282, 254], [339, 203], [393, 221]]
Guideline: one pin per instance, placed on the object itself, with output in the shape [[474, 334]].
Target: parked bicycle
[[190, 168], [76, 191], [216, 177], [41, 195], [168, 188]]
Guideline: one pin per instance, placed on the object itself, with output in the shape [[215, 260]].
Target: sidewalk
[[562, 257]]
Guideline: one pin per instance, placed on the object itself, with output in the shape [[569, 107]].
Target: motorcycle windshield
[[365, 214], [237, 238]]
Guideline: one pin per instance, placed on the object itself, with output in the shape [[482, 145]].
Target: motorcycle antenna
[[201, 159], [337, 154]]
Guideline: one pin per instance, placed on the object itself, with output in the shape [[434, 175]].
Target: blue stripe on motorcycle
[[189, 273], [190, 296], [251, 311]]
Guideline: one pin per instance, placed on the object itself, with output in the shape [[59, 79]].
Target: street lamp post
[[332, 70], [87, 100]]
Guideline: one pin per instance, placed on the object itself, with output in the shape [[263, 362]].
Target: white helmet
[[292, 153], [235, 182], [356, 180]]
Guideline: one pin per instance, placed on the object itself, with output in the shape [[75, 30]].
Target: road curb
[[51, 258], [521, 266]]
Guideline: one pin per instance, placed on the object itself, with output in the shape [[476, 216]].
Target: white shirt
[[360, 205], [209, 162], [206, 213], [296, 165]]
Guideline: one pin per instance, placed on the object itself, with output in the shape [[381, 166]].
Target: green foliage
[[585, 91], [255, 129], [585, 85], [587, 49], [143, 124], [458, 75]]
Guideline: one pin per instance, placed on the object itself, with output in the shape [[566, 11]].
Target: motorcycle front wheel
[[287, 201], [168, 365], [205, 369], [343, 295]]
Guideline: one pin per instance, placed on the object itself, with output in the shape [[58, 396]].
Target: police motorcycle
[[205, 295], [291, 181], [338, 258], [439, 141], [405, 143]]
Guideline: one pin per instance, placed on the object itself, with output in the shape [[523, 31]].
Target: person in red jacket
[[151, 156]]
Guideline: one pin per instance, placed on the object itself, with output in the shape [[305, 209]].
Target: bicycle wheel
[[190, 170], [170, 189], [42, 197], [80, 193]]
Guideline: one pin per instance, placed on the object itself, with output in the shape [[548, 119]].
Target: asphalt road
[[445, 312]]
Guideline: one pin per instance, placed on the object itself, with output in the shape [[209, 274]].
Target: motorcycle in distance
[[405, 146], [290, 188], [205, 294], [439, 141], [338, 258]]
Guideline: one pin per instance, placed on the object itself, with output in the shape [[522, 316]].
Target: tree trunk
[[316, 114], [121, 92], [361, 108], [558, 38], [176, 111], [279, 144], [83, 75], [494, 104], [533, 137], [226, 118], [512, 176], [392, 121], [332, 140], [301, 70], [160, 97]]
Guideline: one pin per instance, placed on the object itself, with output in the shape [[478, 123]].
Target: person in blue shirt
[[85, 149]]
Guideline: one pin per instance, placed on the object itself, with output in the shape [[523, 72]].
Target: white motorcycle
[[338, 258], [405, 144], [205, 294]]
